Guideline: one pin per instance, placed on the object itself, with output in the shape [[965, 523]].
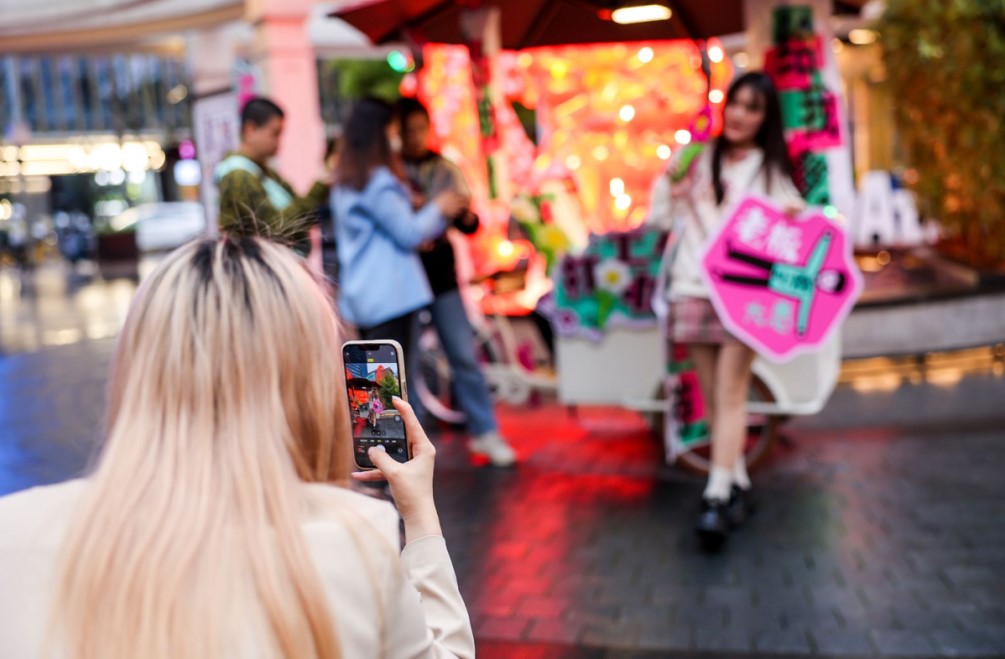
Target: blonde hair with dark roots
[[224, 398]]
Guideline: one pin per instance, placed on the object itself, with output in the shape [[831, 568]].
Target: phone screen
[[372, 377]]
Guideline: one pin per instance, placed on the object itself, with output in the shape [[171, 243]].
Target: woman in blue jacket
[[382, 282]]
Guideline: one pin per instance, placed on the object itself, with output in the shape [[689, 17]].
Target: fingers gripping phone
[[374, 372]]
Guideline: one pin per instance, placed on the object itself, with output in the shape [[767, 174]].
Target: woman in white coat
[[750, 156]]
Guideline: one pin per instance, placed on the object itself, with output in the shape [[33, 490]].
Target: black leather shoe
[[712, 527], [741, 506]]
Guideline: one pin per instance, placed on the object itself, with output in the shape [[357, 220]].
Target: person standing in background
[[430, 174], [254, 199], [381, 281], [694, 197], [329, 251]]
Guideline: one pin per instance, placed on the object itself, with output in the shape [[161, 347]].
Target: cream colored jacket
[[384, 606]]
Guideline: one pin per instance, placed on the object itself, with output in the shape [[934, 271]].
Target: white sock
[[719, 482], [740, 476]]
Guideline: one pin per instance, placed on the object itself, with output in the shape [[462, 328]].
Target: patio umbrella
[[530, 23]]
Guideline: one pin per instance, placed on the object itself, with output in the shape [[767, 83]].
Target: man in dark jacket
[[430, 173]]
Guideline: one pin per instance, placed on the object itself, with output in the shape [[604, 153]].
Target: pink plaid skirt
[[694, 320]]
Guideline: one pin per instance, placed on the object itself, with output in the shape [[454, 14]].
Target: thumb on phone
[[380, 459]]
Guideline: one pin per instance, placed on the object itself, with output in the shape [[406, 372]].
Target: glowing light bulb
[[626, 113], [623, 202], [715, 54], [862, 36], [716, 96], [573, 162], [645, 55], [617, 187], [640, 14], [505, 249], [663, 151], [682, 137]]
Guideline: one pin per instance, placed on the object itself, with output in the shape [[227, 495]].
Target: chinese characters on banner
[[810, 110], [781, 285], [611, 283]]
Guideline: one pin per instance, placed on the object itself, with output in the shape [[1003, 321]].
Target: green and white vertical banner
[[792, 43]]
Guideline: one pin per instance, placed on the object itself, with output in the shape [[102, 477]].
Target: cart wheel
[[762, 431], [433, 386]]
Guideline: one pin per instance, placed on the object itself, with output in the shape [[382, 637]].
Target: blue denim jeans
[[457, 338]]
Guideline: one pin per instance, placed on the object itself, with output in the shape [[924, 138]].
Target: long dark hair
[[364, 142], [770, 138]]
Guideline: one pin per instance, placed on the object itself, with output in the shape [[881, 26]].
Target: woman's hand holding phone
[[411, 482]]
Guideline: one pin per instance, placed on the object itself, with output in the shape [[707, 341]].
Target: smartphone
[[374, 372]]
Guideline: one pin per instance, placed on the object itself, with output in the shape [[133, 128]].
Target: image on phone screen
[[372, 377]]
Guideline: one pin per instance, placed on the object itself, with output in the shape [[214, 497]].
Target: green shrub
[[359, 78], [945, 61]]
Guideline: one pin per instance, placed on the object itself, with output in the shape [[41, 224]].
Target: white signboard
[[885, 217], [216, 122]]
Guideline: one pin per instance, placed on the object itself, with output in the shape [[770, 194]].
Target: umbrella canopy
[[531, 23]]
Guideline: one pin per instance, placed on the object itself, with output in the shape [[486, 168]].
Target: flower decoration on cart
[[611, 283]]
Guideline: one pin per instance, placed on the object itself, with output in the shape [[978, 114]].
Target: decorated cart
[[608, 117]]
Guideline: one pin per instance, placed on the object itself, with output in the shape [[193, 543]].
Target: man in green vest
[[254, 199]]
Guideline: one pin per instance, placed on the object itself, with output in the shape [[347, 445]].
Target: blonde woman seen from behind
[[216, 523]]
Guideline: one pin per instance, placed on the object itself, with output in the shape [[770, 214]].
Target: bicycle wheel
[[433, 386], [762, 431], [435, 382]]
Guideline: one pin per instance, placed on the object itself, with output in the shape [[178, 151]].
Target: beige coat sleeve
[[426, 614], [428, 617], [422, 614]]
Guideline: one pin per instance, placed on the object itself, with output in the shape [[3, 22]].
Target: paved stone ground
[[880, 531], [60, 305]]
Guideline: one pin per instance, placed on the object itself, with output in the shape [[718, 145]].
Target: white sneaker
[[492, 446]]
